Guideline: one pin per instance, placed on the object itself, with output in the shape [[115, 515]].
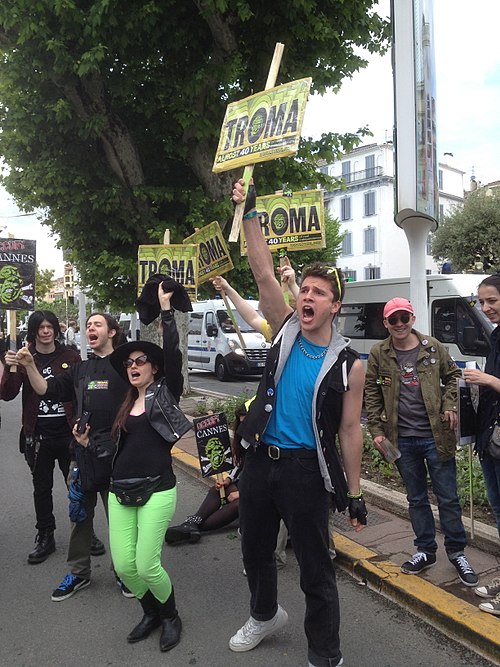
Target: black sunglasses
[[138, 361], [394, 319]]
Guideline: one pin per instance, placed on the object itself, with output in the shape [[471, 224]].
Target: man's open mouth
[[307, 313]]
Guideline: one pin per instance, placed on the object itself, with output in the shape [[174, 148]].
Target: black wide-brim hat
[[148, 305], [122, 352]]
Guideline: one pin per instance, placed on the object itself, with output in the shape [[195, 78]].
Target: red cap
[[398, 303]]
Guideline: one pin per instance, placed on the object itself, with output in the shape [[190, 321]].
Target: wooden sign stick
[[248, 171], [233, 320], [13, 336], [222, 489], [284, 261]]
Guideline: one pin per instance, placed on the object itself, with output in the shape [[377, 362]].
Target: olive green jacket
[[438, 383]]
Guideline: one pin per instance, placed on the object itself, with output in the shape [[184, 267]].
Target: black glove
[[357, 510]]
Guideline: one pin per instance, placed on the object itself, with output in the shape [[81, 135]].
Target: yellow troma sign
[[295, 222], [178, 261], [262, 127], [213, 256]]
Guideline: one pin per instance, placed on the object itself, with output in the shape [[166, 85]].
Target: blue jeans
[[491, 472], [294, 490], [419, 456]]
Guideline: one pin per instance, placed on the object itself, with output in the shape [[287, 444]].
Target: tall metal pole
[[417, 195]]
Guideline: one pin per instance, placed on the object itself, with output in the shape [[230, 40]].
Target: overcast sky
[[468, 105], [467, 89]]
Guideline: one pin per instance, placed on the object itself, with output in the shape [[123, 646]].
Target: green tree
[[469, 235], [43, 283], [110, 112]]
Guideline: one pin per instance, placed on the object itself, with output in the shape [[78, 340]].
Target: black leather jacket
[[162, 396]]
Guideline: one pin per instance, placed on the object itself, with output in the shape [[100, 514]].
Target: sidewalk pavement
[[374, 556]]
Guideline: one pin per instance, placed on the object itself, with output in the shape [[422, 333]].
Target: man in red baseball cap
[[406, 404]]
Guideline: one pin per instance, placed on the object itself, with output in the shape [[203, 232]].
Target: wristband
[[250, 215], [355, 496]]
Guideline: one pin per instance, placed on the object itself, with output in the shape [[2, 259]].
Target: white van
[[455, 317], [214, 345], [129, 324]]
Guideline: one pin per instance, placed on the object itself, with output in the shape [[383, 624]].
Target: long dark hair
[[113, 324], [236, 448], [36, 320], [491, 281], [123, 412]]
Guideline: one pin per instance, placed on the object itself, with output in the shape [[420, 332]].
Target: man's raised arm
[[271, 300]]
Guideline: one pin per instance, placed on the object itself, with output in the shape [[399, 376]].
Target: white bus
[[455, 317]]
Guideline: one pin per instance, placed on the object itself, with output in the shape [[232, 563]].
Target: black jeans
[[292, 489], [51, 450]]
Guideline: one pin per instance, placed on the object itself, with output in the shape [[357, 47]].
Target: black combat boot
[[189, 531], [44, 546], [171, 624], [150, 621]]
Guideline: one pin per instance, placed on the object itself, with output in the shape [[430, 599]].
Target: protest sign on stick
[[221, 161], [17, 281], [213, 257], [214, 446], [291, 222], [178, 261]]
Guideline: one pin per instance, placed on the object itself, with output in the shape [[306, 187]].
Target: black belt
[[277, 453]]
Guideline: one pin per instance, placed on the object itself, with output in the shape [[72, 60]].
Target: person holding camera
[[46, 423], [98, 389]]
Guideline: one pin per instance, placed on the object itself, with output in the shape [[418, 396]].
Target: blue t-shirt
[[291, 424]]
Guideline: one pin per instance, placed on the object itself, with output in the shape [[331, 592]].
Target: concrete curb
[[485, 537], [460, 620]]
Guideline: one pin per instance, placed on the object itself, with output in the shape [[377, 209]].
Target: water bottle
[[391, 452]]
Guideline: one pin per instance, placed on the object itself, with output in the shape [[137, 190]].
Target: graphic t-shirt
[[51, 420], [412, 414]]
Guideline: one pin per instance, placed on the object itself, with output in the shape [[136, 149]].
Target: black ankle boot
[[150, 621], [171, 624], [44, 546], [189, 531]]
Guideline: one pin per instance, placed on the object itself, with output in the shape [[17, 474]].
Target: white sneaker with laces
[[253, 632], [337, 665], [490, 590]]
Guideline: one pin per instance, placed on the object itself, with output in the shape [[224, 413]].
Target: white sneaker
[[253, 632], [337, 665]]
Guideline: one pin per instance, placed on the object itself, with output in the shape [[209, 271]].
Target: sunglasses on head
[[394, 319], [138, 361], [332, 269]]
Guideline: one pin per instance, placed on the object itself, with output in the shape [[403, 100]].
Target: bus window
[[374, 314], [455, 321], [362, 321]]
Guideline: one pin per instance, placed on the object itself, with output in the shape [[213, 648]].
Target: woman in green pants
[[142, 495]]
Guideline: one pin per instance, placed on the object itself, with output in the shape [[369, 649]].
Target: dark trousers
[[294, 490], [80, 539], [51, 450]]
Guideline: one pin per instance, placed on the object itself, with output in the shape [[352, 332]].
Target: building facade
[[373, 245]]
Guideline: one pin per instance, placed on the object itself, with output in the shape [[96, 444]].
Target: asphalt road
[[234, 386], [212, 596]]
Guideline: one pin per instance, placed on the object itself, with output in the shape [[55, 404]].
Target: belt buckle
[[273, 452]]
